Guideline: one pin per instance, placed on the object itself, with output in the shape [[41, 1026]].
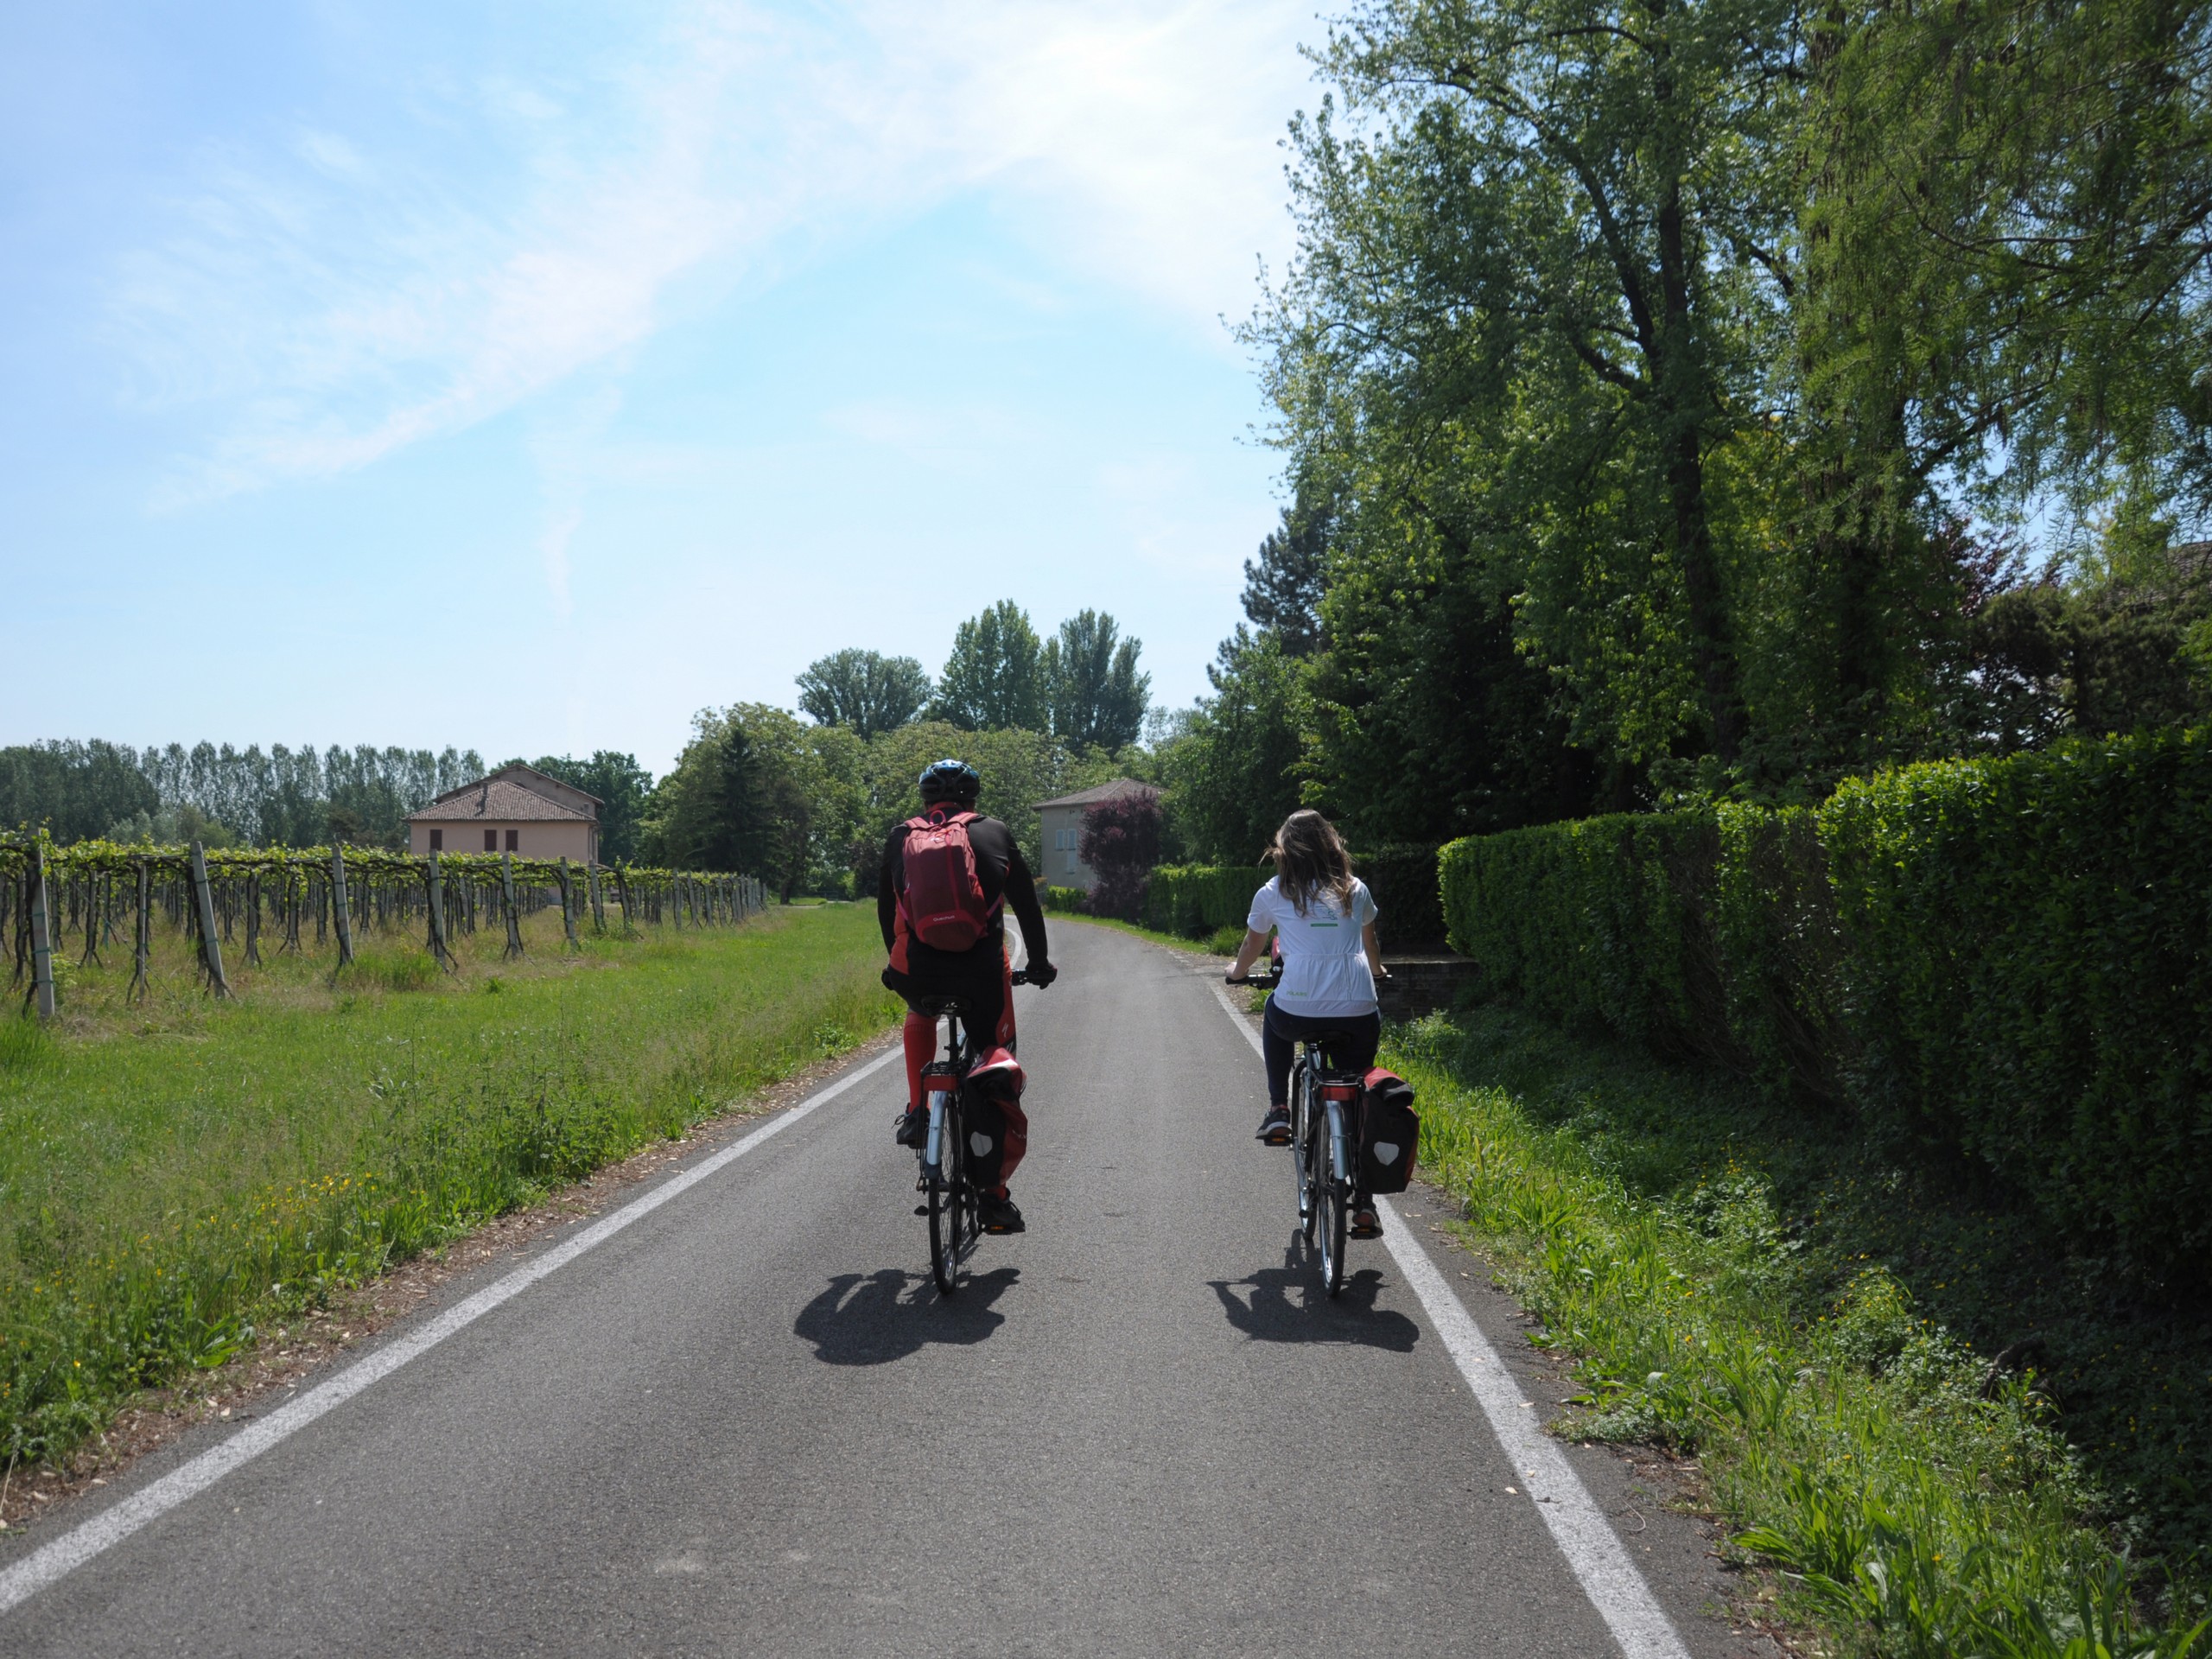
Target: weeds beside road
[[1920, 1501], [172, 1175]]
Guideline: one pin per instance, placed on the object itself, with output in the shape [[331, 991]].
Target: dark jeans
[[1348, 1044]]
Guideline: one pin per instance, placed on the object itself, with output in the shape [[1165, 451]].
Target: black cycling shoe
[[1274, 1127], [999, 1215], [1365, 1223], [913, 1128]]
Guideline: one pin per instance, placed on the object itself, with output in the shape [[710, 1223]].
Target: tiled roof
[[1113, 792], [494, 800]]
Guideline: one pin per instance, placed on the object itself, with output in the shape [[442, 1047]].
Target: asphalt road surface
[[748, 1424]]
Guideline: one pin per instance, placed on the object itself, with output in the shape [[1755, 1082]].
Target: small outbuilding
[[1063, 829], [516, 810]]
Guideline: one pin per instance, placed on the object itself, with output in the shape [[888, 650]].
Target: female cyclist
[[1325, 990]]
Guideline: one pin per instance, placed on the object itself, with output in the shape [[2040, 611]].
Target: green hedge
[[1072, 901], [1196, 899], [2006, 961]]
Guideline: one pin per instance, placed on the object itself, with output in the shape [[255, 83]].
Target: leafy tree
[[2093, 660], [1283, 586], [172, 826], [1425, 723], [743, 796], [75, 789], [1097, 698], [1122, 841], [622, 788], [994, 677], [1235, 772], [1019, 769], [1536, 305], [863, 690]]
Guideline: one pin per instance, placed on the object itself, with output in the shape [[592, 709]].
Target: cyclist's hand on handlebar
[[1042, 974]]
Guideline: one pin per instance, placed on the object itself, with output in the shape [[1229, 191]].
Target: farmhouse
[[1063, 831], [516, 809]]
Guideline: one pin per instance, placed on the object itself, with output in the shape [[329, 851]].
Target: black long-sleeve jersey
[[1002, 873]]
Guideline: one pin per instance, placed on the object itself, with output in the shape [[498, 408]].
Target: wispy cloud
[[331, 302]]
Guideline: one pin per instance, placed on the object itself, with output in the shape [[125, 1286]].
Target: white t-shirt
[[1325, 971]]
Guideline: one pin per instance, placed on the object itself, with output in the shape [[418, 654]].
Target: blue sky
[[531, 376]]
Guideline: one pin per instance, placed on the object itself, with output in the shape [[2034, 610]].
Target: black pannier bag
[[1390, 1133]]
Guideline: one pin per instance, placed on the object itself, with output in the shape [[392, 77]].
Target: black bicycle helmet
[[950, 780]]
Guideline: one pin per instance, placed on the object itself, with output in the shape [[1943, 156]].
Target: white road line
[[1593, 1551], [111, 1527]]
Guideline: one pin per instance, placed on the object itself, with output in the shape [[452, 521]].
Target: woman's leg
[[1278, 1048]]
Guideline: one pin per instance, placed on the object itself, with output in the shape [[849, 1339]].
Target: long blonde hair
[[1310, 859]]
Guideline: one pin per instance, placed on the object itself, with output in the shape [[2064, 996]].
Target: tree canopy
[[863, 690], [995, 676], [1658, 387]]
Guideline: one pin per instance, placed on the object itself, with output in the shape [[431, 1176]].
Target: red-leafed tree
[[1121, 842]]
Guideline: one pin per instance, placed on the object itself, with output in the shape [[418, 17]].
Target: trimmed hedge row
[[1196, 899], [2007, 962]]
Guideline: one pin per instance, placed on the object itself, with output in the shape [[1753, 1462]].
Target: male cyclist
[[978, 974]]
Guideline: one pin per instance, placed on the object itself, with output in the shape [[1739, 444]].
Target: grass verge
[[175, 1174], [1920, 1501]]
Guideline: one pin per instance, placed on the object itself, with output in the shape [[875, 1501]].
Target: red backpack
[[940, 890]]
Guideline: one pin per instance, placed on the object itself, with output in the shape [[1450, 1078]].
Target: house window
[[490, 841], [514, 840], [1071, 870], [437, 841]]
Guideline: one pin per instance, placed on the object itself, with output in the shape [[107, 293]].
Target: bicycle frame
[[952, 1200]]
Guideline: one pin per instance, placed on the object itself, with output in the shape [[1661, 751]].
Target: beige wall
[[1062, 868], [568, 838]]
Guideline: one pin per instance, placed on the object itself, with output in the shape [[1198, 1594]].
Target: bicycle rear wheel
[[951, 1204], [1335, 1206], [1305, 1148]]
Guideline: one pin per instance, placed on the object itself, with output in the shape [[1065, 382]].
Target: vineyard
[[99, 897]]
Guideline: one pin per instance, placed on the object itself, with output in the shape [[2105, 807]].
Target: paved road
[[748, 1424]]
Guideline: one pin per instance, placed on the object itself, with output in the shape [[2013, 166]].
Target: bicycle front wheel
[[951, 1206]]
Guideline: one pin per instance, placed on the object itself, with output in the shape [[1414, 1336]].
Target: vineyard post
[[438, 917], [144, 932], [568, 908], [598, 906], [41, 944], [92, 921], [622, 897], [211, 946], [507, 893], [338, 912], [253, 919]]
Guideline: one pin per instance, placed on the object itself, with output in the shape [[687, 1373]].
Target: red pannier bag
[[1390, 1133], [998, 1075], [940, 890]]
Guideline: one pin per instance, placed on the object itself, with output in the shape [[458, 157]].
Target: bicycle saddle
[[938, 1007]]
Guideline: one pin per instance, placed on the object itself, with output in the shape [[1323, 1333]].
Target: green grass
[[173, 1174], [1748, 1286]]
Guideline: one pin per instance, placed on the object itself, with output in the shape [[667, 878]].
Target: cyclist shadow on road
[[875, 1317], [1290, 1304]]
